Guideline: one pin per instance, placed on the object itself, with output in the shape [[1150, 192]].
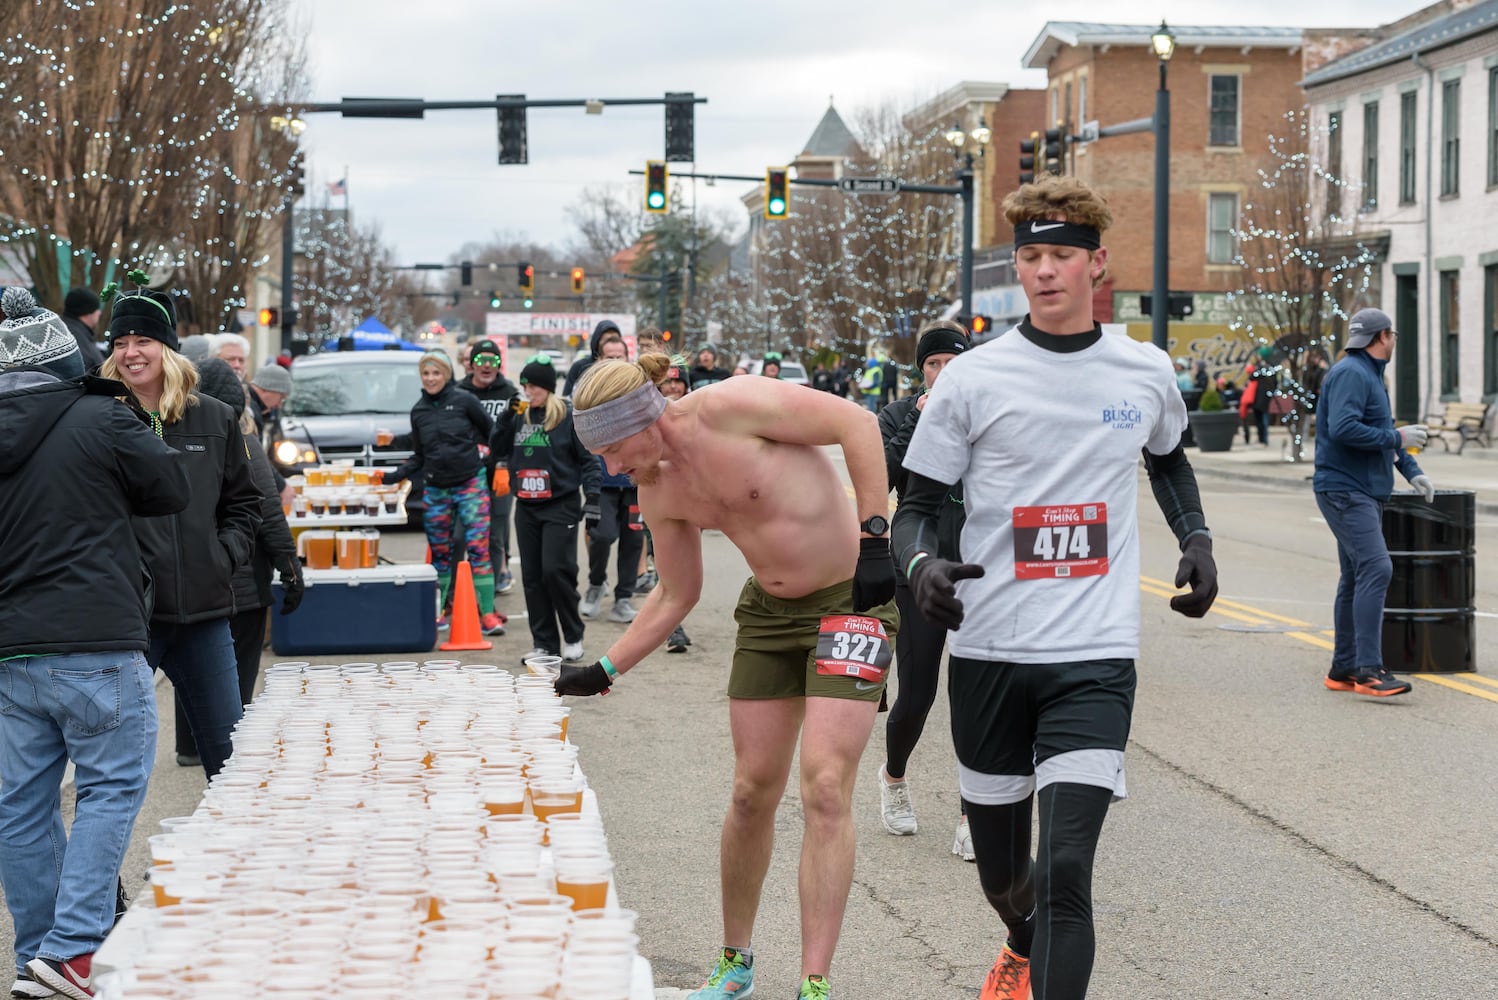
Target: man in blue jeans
[[75, 464], [1357, 449]]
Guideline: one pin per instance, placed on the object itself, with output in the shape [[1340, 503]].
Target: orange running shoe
[[1009, 979]]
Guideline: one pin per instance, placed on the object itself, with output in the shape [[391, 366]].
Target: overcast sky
[[767, 68]]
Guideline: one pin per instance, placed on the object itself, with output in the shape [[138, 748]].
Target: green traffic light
[[657, 199], [777, 206], [528, 303]]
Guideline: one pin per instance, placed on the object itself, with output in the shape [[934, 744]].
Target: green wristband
[[910, 566], [608, 668]]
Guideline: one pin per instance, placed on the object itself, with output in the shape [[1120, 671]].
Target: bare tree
[[346, 273], [608, 221], [1305, 268]]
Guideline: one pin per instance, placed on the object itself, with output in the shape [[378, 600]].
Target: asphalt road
[[1279, 840]]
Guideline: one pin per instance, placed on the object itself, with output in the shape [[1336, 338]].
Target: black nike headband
[[1067, 234]]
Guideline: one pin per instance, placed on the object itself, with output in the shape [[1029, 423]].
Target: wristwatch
[[877, 526]]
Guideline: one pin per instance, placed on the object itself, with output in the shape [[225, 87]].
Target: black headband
[[1066, 234]]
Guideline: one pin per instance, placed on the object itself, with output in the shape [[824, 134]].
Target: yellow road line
[[1459, 685]]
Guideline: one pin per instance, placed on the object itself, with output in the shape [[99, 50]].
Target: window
[[1222, 217], [1370, 155], [1450, 333], [1490, 331], [1493, 127], [1334, 162], [1407, 147], [1223, 128], [1055, 101], [1081, 99], [1066, 108], [1451, 136]]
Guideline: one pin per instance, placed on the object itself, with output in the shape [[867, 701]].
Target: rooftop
[[1073, 33], [831, 137], [1437, 33]]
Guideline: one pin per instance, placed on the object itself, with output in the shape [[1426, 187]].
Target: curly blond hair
[[1052, 197]]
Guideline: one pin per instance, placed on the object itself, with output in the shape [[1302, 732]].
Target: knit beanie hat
[[940, 341], [196, 348], [80, 302], [273, 378], [539, 373], [33, 337], [142, 312], [437, 358], [217, 379], [678, 370]]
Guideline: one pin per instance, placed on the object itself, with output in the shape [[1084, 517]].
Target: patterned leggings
[[470, 502]]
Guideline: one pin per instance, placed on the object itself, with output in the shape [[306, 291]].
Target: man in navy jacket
[[1357, 449]]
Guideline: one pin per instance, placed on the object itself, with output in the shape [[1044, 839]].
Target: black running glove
[[1199, 569], [290, 569], [584, 681], [592, 512], [874, 578], [933, 583]]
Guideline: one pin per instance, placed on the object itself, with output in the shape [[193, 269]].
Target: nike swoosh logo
[[1036, 227], [865, 685]]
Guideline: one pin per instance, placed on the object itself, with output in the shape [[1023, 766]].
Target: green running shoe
[[814, 988], [734, 977]]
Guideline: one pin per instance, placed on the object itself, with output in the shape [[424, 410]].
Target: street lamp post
[[957, 138], [1164, 44], [292, 128]]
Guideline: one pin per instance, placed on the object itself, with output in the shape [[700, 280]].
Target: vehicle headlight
[[294, 452]]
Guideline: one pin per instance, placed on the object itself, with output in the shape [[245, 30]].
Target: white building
[[1411, 123]]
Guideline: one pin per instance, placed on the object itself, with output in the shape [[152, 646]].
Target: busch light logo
[[1123, 416]]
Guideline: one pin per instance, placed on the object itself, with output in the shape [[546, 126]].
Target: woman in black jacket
[[550, 470], [192, 555], [449, 441], [919, 643]]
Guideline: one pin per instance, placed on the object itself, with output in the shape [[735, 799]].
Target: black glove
[[1200, 570], [933, 583], [589, 680], [592, 511], [290, 569], [874, 577]]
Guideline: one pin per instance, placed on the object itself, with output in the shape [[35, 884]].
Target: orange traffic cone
[[429, 555], [466, 633]]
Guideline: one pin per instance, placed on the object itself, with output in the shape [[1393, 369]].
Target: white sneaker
[[623, 611], [572, 652], [591, 600], [963, 845], [895, 807]]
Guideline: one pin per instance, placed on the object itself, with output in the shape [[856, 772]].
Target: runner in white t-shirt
[[1044, 426]]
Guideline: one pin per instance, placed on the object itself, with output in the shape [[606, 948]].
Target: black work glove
[[290, 569], [592, 511], [933, 583], [1199, 569], [874, 577], [589, 680]]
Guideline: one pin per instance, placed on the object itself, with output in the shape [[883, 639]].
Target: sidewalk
[[1476, 469]]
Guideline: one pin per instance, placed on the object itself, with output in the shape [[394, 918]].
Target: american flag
[[338, 187]]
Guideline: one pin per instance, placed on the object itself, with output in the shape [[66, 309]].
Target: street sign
[[1089, 132], [869, 185]]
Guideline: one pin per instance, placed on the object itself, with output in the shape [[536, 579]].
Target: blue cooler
[[388, 609]]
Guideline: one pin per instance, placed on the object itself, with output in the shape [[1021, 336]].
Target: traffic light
[[980, 325], [512, 146], [270, 317], [1027, 150], [680, 109], [494, 300], [298, 178], [577, 281], [467, 270], [777, 192], [1055, 150], [666, 336], [655, 187], [527, 276]]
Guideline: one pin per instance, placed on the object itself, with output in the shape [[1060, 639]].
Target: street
[[1278, 840]]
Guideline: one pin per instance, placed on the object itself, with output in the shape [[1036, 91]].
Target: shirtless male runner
[[816, 620]]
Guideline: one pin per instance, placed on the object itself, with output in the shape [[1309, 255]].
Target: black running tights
[[918, 647], [1045, 903]]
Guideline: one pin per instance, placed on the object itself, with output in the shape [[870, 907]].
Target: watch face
[[875, 525]]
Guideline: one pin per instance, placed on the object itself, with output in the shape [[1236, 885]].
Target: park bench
[[1464, 421]]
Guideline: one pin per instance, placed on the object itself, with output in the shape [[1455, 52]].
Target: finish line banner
[[540, 324]]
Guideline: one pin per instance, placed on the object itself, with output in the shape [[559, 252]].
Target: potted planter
[[1213, 427]]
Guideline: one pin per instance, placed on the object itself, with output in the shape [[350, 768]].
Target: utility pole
[[288, 249]]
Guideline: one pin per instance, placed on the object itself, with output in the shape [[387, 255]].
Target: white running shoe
[[962, 846], [624, 612], [591, 600], [572, 652], [895, 807]]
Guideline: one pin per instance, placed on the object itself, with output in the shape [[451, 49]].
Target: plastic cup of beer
[[350, 549], [371, 502], [544, 666], [320, 548], [300, 505], [340, 474], [317, 476], [391, 497], [584, 878], [384, 437], [361, 477], [320, 504], [369, 553]]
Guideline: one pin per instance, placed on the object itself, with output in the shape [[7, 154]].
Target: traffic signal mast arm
[[809, 182]]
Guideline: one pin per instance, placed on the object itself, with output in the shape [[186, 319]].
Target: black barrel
[[1430, 624]]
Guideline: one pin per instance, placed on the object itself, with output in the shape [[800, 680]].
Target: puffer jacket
[[446, 431], [273, 541], [192, 555]]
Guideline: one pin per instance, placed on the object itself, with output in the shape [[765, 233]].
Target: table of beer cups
[[384, 828]]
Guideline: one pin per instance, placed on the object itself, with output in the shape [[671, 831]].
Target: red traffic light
[[980, 324], [577, 281], [269, 317]]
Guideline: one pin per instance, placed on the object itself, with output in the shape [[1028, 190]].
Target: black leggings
[[1045, 903], [918, 648]]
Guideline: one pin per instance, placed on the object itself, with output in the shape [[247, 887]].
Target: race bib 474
[[1060, 541]]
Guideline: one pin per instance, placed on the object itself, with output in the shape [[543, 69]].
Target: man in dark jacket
[[613, 515], [80, 311], [75, 466], [581, 365], [1357, 450], [498, 396], [706, 370]]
